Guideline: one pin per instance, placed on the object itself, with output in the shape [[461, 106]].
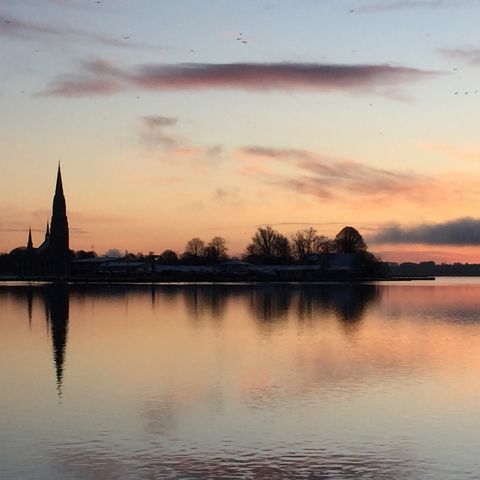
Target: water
[[237, 381]]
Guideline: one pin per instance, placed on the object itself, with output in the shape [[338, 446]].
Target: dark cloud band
[[461, 232]]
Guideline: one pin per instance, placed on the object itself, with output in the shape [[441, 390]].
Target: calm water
[[256, 382]]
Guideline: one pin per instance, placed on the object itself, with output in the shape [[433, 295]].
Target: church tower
[[59, 236], [58, 254], [29, 242]]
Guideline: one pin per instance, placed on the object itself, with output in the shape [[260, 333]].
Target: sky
[[175, 119]]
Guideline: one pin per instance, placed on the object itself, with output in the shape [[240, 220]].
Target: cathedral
[[53, 257]]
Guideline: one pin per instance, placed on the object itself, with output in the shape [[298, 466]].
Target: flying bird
[[125, 37]]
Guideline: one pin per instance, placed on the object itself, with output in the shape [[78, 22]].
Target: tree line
[[267, 246]]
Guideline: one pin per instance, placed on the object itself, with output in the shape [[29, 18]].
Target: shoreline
[[205, 281]]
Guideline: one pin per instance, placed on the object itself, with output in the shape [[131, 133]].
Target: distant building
[[53, 257]]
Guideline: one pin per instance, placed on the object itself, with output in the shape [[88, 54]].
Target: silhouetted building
[[53, 257]]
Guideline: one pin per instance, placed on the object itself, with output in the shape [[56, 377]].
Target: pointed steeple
[[59, 243], [59, 186], [30, 242]]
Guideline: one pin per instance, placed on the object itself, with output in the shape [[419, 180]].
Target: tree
[[195, 247], [282, 248], [308, 241], [263, 242], [327, 245], [168, 257], [216, 250], [349, 240], [267, 245], [82, 254]]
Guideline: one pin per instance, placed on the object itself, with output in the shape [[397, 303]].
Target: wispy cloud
[[469, 55], [461, 232], [12, 27], [327, 177], [158, 134], [155, 132], [99, 78], [408, 4]]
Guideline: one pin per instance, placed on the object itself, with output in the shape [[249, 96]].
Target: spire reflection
[[57, 310]]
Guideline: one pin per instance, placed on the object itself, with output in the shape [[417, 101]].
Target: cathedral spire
[[59, 186], [30, 242], [59, 241]]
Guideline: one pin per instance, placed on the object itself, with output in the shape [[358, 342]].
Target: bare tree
[[267, 244], [263, 242], [216, 250], [325, 245], [308, 241], [195, 247], [304, 242]]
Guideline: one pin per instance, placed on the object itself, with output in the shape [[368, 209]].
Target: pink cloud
[[328, 177], [257, 77]]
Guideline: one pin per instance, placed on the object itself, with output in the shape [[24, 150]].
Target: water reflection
[[53, 302], [271, 304], [240, 381], [56, 299]]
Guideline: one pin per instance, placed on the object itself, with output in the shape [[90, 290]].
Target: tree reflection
[[204, 300], [271, 305], [351, 301]]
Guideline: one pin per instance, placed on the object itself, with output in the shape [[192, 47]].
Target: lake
[[361, 381]]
